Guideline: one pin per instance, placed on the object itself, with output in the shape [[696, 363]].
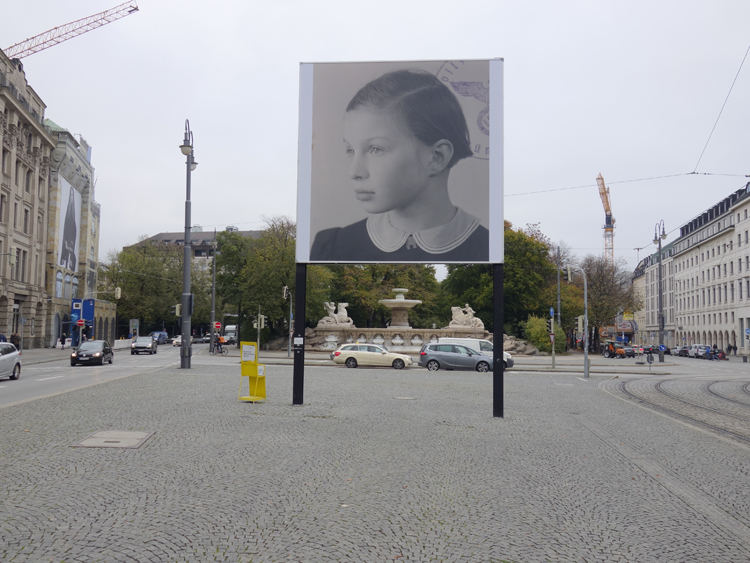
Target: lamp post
[[657, 240], [186, 349], [213, 295]]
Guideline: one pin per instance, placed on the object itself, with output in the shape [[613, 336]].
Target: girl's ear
[[441, 154]]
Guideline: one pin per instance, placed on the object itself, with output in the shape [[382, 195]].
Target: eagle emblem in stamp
[[469, 81]]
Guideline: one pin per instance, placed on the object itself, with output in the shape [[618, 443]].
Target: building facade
[[73, 241], [24, 183], [705, 279]]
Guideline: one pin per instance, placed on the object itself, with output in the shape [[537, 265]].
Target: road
[[53, 377]]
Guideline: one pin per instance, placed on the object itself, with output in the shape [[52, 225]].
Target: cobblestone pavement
[[378, 465]]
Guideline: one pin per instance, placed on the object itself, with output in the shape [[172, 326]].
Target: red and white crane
[[68, 31]]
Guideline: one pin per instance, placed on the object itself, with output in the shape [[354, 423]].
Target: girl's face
[[387, 164]]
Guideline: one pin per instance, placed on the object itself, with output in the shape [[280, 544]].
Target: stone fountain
[[399, 307], [337, 327]]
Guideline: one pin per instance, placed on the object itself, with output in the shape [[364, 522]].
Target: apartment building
[[705, 279]]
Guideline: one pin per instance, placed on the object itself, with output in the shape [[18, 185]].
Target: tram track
[[744, 388], [705, 413]]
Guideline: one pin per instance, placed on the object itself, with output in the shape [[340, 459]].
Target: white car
[[10, 361], [353, 355], [177, 340]]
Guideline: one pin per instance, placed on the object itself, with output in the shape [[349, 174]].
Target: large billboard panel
[[395, 163], [69, 234]]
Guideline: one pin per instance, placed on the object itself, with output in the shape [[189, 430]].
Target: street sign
[[551, 311], [217, 325], [80, 322], [662, 347], [747, 331]]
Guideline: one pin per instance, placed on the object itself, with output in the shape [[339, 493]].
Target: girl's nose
[[357, 169]]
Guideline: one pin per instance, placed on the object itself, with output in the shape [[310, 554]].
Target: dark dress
[[354, 244]]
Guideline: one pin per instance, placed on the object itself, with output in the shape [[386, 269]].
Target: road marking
[[53, 377]]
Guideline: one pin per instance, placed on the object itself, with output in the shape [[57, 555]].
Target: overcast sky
[[630, 89]]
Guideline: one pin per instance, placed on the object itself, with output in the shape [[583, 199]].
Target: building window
[[3, 207], [29, 176], [68, 289], [75, 288], [59, 285], [15, 215], [39, 228], [18, 171], [40, 187], [26, 221], [6, 162]]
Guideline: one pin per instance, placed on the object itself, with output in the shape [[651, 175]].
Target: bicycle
[[214, 351]]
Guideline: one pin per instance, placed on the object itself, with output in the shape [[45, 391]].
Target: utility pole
[[213, 296], [559, 312], [257, 324]]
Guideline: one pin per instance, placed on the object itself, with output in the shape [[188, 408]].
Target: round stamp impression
[[469, 81]]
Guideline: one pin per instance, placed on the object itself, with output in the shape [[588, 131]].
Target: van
[[230, 334], [484, 346]]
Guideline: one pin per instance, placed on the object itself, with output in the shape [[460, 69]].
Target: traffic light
[[285, 292], [551, 325], [118, 293], [580, 323], [569, 270], [12, 256], [177, 310], [262, 321]]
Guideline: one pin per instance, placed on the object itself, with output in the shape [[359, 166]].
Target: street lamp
[[186, 349], [213, 294], [657, 240]]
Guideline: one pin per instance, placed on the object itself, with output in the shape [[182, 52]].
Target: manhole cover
[[406, 398], [114, 439]]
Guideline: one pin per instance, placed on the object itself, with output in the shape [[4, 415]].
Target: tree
[[610, 292], [528, 270]]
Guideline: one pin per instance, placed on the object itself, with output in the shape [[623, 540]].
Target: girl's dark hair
[[427, 107]]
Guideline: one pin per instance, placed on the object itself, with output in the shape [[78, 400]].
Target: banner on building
[[395, 163], [69, 235]]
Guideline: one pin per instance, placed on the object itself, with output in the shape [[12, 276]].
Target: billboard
[[69, 219], [395, 163]]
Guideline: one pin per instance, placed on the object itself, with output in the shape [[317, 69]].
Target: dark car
[[92, 352], [720, 355], [145, 344], [10, 361], [160, 336], [452, 356], [629, 351]]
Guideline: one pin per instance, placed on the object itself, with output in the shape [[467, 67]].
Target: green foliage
[[528, 271], [536, 331], [362, 286]]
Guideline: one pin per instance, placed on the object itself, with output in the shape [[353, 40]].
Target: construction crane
[[68, 31], [609, 222]]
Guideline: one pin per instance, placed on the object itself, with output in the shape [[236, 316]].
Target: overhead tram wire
[[722, 109], [630, 181]]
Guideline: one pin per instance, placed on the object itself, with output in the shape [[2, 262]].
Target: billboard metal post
[[498, 320], [298, 379]]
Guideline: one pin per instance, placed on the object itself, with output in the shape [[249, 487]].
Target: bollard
[[744, 359]]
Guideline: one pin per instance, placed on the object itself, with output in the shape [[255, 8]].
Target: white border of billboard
[[477, 186]]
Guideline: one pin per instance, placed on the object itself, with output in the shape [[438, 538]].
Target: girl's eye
[[375, 150], [349, 151]]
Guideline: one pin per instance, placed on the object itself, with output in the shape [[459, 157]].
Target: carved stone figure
[[340, 318], [464, 316]]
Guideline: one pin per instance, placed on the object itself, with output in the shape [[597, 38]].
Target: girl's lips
[[364, 196]]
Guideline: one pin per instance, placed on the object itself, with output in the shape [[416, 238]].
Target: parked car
[[720, 355], [612, 349], [484, 346], [10, 361], [437, 356], [160, 336], [678, 350], [629, 351], [697, 351], [144, 344], [93, 352], [353, 355]]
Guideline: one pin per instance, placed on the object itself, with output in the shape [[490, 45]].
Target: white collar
[[436, 240]]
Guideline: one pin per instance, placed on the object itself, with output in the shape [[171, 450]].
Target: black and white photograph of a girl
[[69, 226], [400, 163]]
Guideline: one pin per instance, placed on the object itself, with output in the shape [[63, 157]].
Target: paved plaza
[[377, 465]]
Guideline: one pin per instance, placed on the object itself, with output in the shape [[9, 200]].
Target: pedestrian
[[62, 341], [2, 337], [709, 356], [15, 340]]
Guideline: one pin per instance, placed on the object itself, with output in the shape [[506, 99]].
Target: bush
[[536, 332]]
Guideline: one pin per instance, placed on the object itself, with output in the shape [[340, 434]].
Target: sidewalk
[[377, 465]]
